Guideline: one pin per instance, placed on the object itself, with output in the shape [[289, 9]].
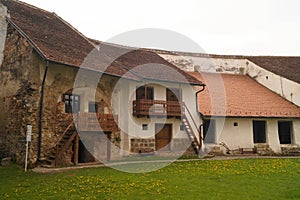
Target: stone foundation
[[142, 145], [290, 150]]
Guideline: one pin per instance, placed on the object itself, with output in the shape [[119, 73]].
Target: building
[[249, 117], [87, 102]]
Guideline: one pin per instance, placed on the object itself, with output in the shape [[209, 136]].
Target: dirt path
[[96, 165]]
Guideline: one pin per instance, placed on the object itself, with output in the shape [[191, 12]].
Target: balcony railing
[[96, 122], [146, 108]]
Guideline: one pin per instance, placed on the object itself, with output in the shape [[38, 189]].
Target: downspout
[[197, 110], [41, 112], [203, 88]]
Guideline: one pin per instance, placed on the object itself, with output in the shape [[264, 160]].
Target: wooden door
[[163, 136]]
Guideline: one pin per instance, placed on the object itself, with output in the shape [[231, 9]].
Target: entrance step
[[292, 150], [263, 149]]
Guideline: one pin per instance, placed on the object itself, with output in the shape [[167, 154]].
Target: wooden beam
[[76, 149]]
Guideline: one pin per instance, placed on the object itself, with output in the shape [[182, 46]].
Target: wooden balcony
[[147, 108], [96, 122]]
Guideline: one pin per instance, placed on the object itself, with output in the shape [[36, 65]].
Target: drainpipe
[[197, 110], [203, 88], [41, 112]]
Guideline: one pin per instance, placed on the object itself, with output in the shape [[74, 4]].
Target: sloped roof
[[57, 41], [244, 97], [288, 67]]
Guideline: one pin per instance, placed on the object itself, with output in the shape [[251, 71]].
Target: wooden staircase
[[62, 145], [191, 134]]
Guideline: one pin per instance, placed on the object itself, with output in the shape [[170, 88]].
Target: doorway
[[259, 131], [285, 132], [163, 136], [209, 131]]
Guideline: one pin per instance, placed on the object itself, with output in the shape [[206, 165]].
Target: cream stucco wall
[[241, 136], [131, 127]]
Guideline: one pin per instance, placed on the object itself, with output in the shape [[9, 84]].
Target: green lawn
[[204, 179]]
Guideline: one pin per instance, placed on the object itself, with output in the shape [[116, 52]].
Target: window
[[145, 127], [173, 94], [235, 124], [93, 107], [259, 131], [145, 92], [72, 103], [285, 132], [209, 129]]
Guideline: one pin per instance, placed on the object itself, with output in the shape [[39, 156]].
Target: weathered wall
[[208, 64], [22, 72], [63, 79], [20, 86]]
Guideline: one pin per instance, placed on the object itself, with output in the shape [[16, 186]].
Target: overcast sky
[[252, 27]]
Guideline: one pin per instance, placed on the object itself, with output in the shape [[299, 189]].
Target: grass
[[204, 179]]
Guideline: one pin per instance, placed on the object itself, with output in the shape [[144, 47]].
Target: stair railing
[[194, 123], [69, 126]]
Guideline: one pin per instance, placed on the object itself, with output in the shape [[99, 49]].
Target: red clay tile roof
[[288, 67], [244, 98], [58, 41]]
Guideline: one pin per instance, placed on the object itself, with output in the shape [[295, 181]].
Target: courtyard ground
[[250, 178]]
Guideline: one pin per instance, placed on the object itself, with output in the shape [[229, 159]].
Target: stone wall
[[19, 95], [21, 76], [139, 145], [60, 80]]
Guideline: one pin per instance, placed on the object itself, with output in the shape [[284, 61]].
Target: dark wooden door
[[163, 135]]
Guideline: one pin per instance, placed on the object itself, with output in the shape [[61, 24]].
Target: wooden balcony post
[[76, 149]]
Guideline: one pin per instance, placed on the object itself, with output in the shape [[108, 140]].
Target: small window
[[93, 107], [72, 103], [145, 127], [235, 124]]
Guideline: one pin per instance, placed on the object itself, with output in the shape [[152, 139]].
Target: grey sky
[[256, 27]]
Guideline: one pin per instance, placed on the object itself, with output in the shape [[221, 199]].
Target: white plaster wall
[[272, 135], [242, 135], [296, 131], [235, 136], [3, 31], [288, 89], [132, 126]]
